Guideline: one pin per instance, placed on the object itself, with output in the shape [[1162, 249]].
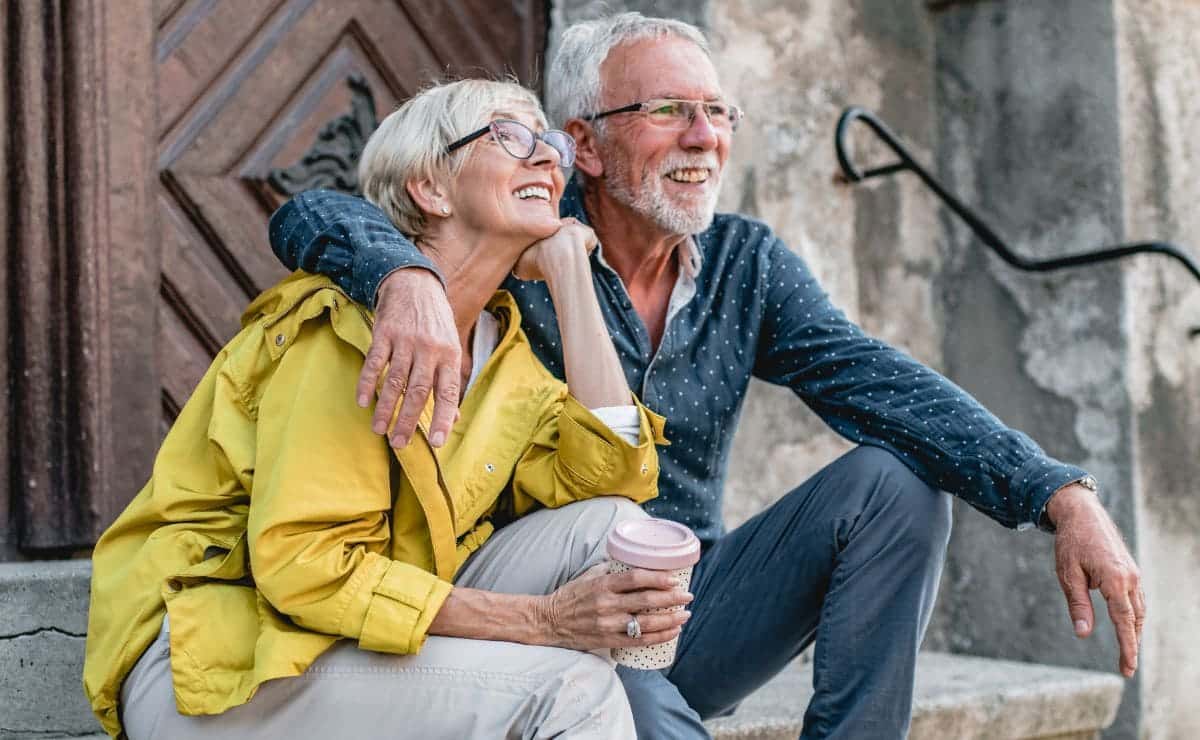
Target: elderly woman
[[285, 573]]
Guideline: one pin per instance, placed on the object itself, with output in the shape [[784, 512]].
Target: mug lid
[[657, 544]]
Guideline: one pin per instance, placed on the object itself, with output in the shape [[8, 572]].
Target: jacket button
[[645, 468], [489, 467], [279, 340]]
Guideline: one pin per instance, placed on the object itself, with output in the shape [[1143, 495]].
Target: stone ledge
[[959, 697], [42, 595]]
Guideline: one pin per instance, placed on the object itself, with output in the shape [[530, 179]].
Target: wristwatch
[[1089, 482]]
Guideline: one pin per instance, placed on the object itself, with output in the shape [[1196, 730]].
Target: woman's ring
[[633, 629]]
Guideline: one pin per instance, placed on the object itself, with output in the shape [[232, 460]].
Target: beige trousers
[[454, 688]]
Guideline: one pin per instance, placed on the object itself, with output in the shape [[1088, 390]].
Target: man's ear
[[587, 154], [429, 195]]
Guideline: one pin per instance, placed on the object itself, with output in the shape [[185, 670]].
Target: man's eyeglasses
[[520, 141], [671, 113]]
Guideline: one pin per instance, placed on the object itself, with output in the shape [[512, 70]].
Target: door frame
[[83, 405]]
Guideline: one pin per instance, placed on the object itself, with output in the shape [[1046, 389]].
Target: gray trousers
[[454, 688]]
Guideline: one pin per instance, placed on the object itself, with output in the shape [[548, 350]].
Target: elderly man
[[696, 306]]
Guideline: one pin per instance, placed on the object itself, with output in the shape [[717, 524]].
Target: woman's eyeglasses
[[520, 141], [671, 113]]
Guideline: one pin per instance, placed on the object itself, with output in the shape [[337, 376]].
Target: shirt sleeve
[[346, 238], [575, 456], [318, 524], [871, 393]]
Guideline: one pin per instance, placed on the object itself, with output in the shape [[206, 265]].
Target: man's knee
[[900, 497]]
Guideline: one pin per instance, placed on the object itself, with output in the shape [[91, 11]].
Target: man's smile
[[688, 175]]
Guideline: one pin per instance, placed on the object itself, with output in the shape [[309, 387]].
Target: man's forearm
[[874, 394], [345, 238]]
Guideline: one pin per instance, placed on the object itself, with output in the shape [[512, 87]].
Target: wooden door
[[221, 108]]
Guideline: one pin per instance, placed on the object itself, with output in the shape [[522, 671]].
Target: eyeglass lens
[[682, 112], [520, 141]]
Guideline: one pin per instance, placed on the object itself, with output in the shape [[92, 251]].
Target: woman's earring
[[445, 210]]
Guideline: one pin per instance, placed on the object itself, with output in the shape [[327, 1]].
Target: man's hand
[[1089, 553], [416, 339]]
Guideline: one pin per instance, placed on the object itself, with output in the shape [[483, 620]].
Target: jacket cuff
[[1034, 483], [401, 609], [602, 459]]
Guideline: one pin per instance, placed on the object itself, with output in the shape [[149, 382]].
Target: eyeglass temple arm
[[623, 109], [468, 139], [976, 223]]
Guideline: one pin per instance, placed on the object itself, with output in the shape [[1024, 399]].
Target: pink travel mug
[[654, 544]]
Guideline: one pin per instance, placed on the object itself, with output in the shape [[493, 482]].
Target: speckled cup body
[[651, 657]]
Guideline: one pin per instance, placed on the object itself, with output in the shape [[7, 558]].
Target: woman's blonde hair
[[411, 143]]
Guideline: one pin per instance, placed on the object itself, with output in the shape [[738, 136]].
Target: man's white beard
[[650, 199]]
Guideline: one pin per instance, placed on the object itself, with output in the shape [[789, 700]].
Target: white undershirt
[[622, 420]]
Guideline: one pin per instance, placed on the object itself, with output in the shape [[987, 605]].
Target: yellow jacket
[[275, 521]]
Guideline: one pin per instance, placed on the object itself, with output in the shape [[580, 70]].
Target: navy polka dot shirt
[[752, 309]]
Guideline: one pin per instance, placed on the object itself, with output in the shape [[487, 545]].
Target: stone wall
[[1159, 74]]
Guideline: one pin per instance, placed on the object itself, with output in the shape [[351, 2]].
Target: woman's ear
[[430, 196], [587, 155]]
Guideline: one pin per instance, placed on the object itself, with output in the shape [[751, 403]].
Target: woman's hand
[[592, 611], [561, 249]]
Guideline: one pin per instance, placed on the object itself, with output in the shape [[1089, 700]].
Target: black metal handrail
[[973, 220]]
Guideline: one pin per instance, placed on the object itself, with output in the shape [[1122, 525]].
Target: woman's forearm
[[486, 615], [594, 374]]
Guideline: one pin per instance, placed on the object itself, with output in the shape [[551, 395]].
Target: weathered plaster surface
[[1159, 68]]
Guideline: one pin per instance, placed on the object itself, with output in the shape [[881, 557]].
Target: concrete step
[[957, 697], [43, 609], [43, 620]]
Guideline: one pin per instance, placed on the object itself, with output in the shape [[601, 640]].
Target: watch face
[[1089, 482]]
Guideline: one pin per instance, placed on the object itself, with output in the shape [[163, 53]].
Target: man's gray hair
[[573, 80]]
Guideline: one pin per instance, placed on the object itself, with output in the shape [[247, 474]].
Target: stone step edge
[[956, 696]]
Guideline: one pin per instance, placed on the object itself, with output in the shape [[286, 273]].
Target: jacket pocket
[[213, 626]]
